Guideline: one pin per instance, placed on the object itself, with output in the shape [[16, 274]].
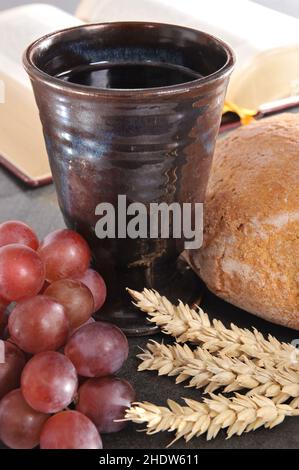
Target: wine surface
[[129, 75]]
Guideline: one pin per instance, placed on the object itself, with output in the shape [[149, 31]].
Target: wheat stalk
[[194, 325], [204, 370], [237, 415]]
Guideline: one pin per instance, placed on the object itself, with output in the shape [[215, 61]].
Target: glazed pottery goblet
[[148, 136]]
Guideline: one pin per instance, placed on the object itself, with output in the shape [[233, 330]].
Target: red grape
[[5, 332], [22, 272], [45, 286], [76, 299], [3, 325], [4, 313], [94, 281], [90, 320], [97, 349], [20, 425], [15, 231], [3, 304], [38, 324], [65, 253], [70, 430], [104, 400], [49, 382], [10, 371]]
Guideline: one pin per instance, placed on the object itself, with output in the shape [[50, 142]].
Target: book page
[[22, 147], [21, 26], [261, 38], [248, 27]]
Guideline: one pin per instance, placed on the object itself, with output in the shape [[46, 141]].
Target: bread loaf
[[250, 255]]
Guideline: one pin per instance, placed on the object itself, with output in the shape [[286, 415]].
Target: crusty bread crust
[[250, 255]]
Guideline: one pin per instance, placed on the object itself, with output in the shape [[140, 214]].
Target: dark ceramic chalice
[[150, 137]]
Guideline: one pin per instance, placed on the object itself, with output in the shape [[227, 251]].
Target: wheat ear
[[194, 325], [204, 370], [237, 415]]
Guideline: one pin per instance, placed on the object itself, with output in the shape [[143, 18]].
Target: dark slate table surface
[[38, 207]]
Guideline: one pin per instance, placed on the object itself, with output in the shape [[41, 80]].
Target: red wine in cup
[[20, 425], [22, 272], [38, 324], [70, 430], [49, 382], [97, 349], [129, 75], [65, 254]]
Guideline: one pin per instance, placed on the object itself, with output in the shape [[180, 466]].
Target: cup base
[[129, 319], [185, 286]]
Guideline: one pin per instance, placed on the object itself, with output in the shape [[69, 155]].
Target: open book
[[266, 42], [266, 76], [22, 147]]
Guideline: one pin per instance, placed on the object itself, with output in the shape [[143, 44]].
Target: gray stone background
[[287, 6]]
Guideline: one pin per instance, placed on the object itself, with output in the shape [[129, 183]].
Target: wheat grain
[[237, 415], [193, 325], [204, 370], [233, 358]]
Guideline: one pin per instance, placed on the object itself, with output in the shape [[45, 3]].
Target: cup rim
[[37, 74]]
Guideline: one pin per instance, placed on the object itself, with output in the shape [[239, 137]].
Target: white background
[[287, 6]]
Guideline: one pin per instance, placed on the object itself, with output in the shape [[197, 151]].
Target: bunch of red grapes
[[53, 344]]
